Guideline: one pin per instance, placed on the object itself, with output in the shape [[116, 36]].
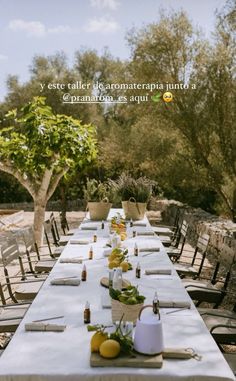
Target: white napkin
[[44, 327], [65, 282], [150, 232], [71, 260], [107, 252], [76, 241], [149, 249], [174, 304], [158, 271], [89, 228], [139, 223]]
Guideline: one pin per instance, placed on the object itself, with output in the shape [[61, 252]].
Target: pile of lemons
[[117, 259], [119, 228], [108, 348]]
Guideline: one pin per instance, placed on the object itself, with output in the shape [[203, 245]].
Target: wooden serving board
[[105, 283], [139, 361]]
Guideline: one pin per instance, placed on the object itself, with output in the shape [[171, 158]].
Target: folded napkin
[[44, 327], [174, 304], [139, 223], [65, 282], [158, 271], [89, 228], [149, 232], [71, 260], [107, 252], [76, 241], [141, 249]]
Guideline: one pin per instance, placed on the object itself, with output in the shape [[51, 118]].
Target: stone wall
[[220, 230]]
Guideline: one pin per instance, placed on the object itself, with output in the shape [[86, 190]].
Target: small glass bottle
[[84, 274], [111, 275], [102, 225], [117, 279], [87, 313], [91, 252], [155, 304], [138, 270], [95, 237], [136, 249]]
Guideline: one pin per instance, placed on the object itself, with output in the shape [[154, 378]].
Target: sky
[[33, 27]]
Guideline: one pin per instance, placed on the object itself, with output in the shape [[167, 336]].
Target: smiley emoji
[[168, 97]]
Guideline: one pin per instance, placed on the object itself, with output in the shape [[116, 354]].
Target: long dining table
[[65, 356]]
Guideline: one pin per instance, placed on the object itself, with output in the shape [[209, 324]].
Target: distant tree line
[[187, 146]]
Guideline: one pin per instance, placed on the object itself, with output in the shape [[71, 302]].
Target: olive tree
[[38, 148]]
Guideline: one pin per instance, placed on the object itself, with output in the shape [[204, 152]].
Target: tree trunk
[[39, 216], [234, 206]]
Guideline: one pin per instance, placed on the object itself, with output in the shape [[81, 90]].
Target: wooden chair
[[168, 233], [189, 270], [65, 226], [10, 314], [57, 239], [176, 249], [221, 324], [50, 231], [23, 286], [31, 247], [207, 289]]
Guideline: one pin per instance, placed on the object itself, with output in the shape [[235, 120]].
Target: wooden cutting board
[[139, 361], [105, 283]]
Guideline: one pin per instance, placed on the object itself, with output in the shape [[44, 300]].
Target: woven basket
[[134, 210], [99, 210], [130, 311]]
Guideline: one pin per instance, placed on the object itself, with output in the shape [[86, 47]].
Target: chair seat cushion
[[213, 317], [28, 291], [208, 293], [162, 231], [71, 232], [185, 269], [14, 312], [57, 251], [44, 266], [231, 360], [63, 240]]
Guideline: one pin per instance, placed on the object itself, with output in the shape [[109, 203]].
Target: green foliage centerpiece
[[98, 196], [126, 304]]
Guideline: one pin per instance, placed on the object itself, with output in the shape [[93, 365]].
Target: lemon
[[113, 264], [125, 266], [97, 339], [123, 236], [109, 349]]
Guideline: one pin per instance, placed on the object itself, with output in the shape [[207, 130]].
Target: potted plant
[[134, 194], [98, 196], [126, 304]]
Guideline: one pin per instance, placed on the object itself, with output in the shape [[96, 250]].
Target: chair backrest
[[47, 232], [54, 230], [227, 257], [202, 242], [64, 222], [202, 245], [9, 251], [184, 228]]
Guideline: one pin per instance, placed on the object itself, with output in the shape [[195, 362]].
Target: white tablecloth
[[64, 356]]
